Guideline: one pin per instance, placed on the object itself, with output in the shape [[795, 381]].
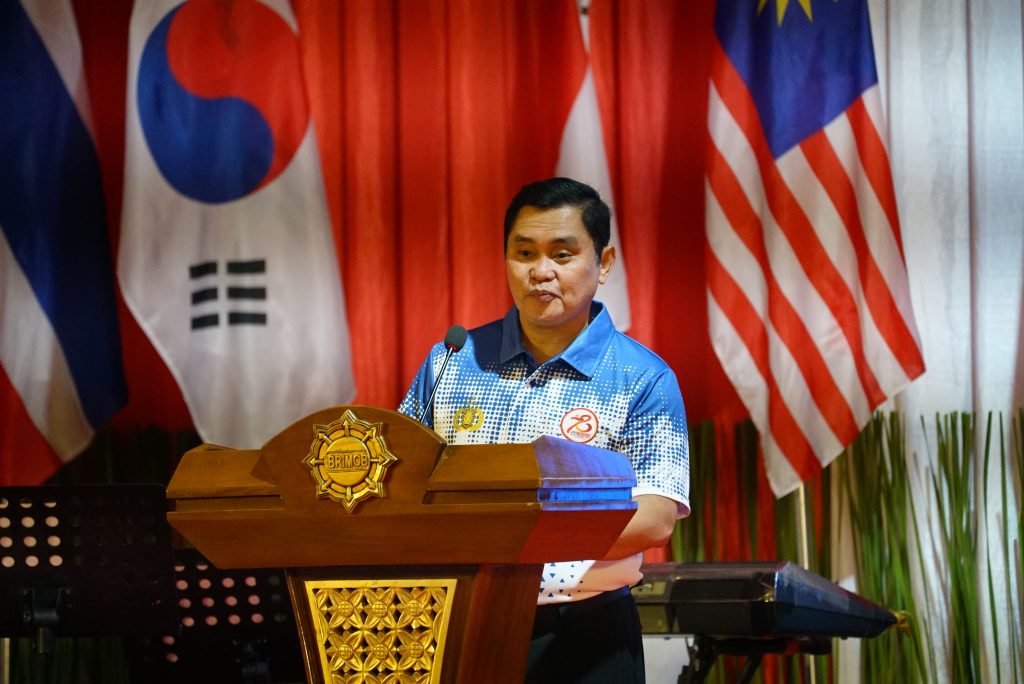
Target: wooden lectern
[[408, 560]]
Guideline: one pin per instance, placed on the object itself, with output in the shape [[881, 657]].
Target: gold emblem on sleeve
[[349, 459]]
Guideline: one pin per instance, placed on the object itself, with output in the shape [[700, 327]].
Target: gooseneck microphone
[[454, 340]]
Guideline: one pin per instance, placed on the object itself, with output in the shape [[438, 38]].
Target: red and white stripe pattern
[[582, 156], [808, 300]]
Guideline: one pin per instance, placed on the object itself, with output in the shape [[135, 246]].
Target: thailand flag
[[60, 353], [227, 258], [808, 297]]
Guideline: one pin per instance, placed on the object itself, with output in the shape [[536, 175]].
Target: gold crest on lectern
[[349, 459]]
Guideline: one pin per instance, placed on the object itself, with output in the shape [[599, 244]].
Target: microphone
[[454, 340]]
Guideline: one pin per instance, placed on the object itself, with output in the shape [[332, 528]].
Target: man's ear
[[607, 260]]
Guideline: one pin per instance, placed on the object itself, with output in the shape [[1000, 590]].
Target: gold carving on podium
[[388, 631], [349, 459]]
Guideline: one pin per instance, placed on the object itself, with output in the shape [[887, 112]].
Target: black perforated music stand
[[235, 626], [89, 560]]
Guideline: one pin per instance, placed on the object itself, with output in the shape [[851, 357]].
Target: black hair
[[564, 192]]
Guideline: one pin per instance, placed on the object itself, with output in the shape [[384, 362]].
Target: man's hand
[[649, 527]]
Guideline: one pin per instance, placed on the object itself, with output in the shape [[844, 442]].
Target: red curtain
[[429, 116]]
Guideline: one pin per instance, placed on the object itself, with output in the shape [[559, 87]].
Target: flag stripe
[[754, 392], [20, 437], [886, 245], [785, 369], [884, 250], [836, 183], [817, 265], [808, 298], [875, 161], [808, 192], [746, 224], [35, 363], [54, 21], [53, 215], [785, 269], [750, 328]]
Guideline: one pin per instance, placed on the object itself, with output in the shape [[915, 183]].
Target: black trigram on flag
[[243, 294]]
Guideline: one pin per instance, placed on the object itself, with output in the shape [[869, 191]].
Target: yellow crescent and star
[[782, 5]]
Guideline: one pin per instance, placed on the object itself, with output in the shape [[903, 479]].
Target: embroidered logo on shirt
[[469, 417], [579, 425]]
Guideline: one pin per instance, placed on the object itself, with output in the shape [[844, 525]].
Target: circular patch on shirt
[[579, 425]]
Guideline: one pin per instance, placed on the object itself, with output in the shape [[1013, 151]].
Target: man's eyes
[[561, 255]]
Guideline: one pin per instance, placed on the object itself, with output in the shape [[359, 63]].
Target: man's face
[[552, 269]]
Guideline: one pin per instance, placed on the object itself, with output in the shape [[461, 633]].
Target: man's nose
[[543, 269]]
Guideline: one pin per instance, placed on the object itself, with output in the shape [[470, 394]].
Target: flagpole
[[5, 660], [803, 553]]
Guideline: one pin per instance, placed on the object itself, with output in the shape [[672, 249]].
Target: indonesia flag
[[227, 259], [807, 287], [582, 156], [60, 354]]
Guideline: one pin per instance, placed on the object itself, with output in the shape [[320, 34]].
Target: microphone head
[[456, 338]]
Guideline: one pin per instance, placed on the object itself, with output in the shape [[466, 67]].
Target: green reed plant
[[953, 480], [1011, 562], [990, 541], [1015, 567], [690, 540], [874, 479]]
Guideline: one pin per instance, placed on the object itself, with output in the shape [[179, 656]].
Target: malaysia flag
[[808, 299], [60, 353], [227, 260]]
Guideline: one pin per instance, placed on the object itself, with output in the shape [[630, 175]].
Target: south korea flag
[[227, 259]]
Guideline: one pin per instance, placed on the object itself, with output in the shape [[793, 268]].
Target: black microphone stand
[[453, 341], [430, 400]]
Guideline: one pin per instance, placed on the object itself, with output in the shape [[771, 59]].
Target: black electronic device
[[751, 609]]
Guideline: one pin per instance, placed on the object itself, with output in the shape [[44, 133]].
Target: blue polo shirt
[[604, 389]]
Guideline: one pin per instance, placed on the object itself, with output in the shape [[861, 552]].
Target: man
[[555, 365]]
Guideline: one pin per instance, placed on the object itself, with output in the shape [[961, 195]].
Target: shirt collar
[[583, 354]]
